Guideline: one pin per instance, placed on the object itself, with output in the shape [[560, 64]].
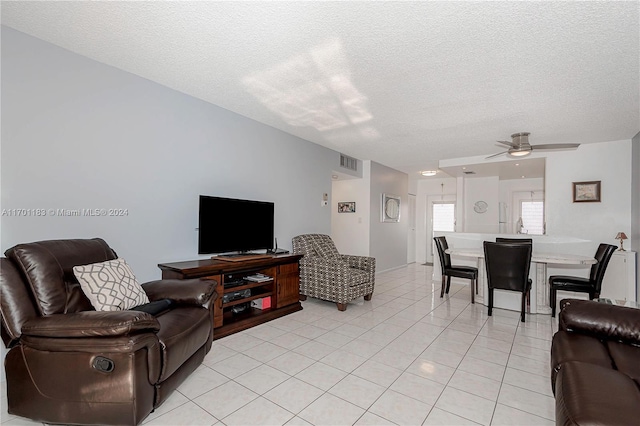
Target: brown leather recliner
[[68, 363], [595, 364]]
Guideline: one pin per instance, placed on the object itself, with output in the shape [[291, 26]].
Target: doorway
[[411, 238], [441, 216]]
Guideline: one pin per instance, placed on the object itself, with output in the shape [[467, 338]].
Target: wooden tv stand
[[283, 288]]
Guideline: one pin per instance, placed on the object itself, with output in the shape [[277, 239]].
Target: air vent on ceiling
[[469, 172], [348, 162]]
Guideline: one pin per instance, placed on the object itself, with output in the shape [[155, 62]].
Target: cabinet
[[619, 280], [287, 285], [235, 292]]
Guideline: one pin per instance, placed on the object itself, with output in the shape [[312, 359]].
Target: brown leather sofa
[[70, 364], [595, 362]]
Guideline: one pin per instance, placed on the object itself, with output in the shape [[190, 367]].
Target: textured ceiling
[[401, 83]]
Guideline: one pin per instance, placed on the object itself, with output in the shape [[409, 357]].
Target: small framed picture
[[586, 192], [347, 207]]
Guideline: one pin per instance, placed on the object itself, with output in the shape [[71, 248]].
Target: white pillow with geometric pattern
[[110, 285]]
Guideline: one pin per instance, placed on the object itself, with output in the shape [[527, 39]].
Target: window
[[527, 213], [444, 216], [532, 214]]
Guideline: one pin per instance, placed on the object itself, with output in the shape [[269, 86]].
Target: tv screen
[[231, 225]]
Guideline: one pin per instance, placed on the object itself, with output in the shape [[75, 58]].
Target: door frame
[[433, 199]]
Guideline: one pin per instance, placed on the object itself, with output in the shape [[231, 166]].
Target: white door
[[411, 238], [441, 212]]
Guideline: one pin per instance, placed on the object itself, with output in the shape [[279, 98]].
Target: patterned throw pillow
[[110, 286]]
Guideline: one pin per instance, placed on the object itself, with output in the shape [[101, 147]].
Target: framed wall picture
[[586, 192], [390, 208], [347, 207]]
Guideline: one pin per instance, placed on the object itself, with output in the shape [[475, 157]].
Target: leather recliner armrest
[[601, 320], [91, 324], [184, 292]]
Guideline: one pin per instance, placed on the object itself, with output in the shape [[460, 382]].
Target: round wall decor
[[480, 207], [390, 208]]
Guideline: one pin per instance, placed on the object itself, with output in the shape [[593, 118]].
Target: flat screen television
[[228, 225]]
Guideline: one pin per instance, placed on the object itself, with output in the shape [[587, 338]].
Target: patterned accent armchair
[[329, 275]]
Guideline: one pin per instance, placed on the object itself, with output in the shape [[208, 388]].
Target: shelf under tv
[[259, 295], [246, 286], [283, 288]]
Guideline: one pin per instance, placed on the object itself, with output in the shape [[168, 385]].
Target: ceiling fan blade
[[556, 146], [509, 144], [495, 155]]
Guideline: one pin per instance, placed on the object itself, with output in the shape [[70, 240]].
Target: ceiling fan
[[520, 146]]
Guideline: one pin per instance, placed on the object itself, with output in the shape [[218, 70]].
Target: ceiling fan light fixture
[[520, 138], [428, 172], [519, 153], [520, 146]]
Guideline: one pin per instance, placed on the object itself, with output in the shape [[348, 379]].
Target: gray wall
[[635, 205], [388, 240], [80, 134]]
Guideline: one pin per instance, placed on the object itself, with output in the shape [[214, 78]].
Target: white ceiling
[[405, 84], [524, 168]]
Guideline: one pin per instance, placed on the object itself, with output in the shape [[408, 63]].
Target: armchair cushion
[[588, 394], [625, 357], [182, 331], [47, 268], [110, 285], [600, 320], [326, 249]]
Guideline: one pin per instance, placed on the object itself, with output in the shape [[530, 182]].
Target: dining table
[[538, 273]]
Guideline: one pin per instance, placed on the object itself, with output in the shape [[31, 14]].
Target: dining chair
[[449, 270], [591, 285], [514, 240], [508, 269]]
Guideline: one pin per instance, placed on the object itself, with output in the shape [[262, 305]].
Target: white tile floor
[[406, 357]]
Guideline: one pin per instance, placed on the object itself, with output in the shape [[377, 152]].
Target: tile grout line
[[503, 375]]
